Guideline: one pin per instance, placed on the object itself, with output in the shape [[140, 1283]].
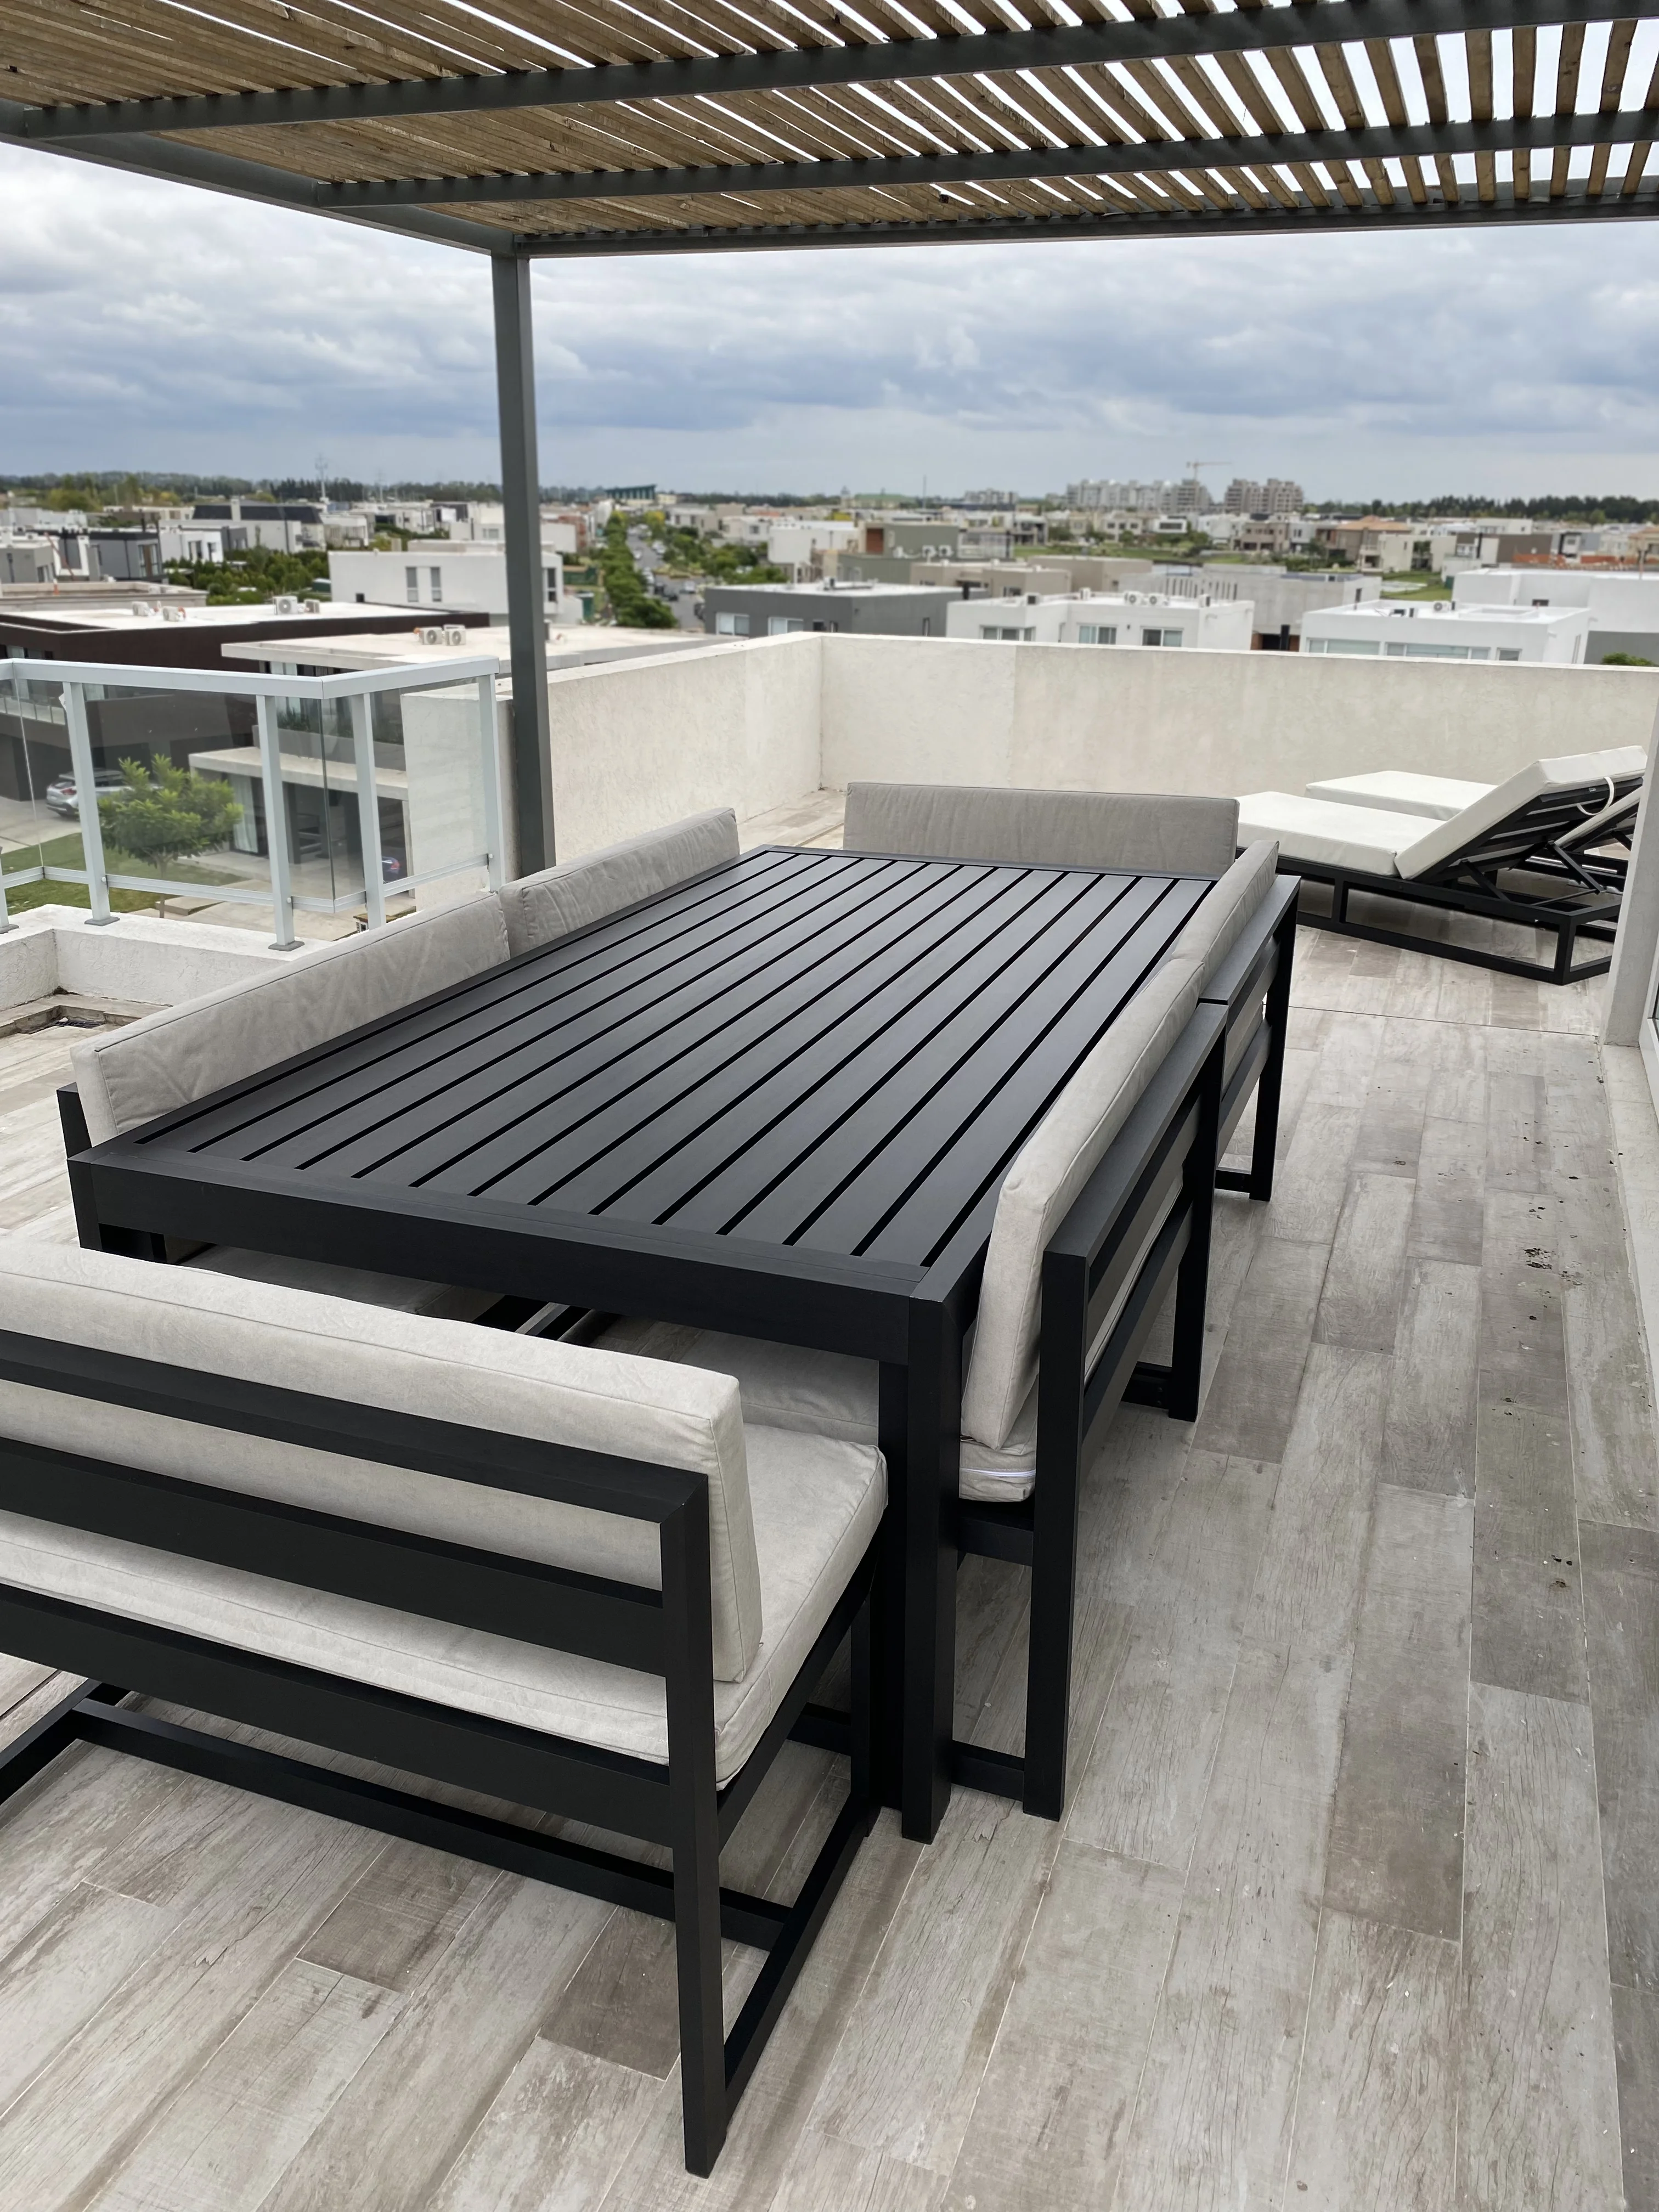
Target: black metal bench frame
[[1471, 882], [667, 1633], [1253, 986]]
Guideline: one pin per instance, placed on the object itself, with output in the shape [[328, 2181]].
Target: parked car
[[60, 794]]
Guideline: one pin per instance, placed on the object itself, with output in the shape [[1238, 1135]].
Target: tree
[[1625, 660], [167, 813], [630, 602]]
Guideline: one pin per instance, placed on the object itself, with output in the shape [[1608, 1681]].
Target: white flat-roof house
[[1159, 618], [1438, 630], [1624, 610], [440, 572]]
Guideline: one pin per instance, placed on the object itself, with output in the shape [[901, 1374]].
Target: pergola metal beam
[[1536, 134], [526, 599], [253, 180], [1050, 45], [1574, 205]]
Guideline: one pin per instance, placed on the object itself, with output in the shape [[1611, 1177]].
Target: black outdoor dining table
[[778, 1099]]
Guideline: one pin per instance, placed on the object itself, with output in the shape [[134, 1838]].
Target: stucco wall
[[1097, 718]]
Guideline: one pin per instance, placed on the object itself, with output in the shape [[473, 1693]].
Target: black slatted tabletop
[[831, 1053]]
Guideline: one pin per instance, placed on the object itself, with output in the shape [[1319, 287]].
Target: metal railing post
[[271, 775], [496, 862], [86, 804], [368, 809]]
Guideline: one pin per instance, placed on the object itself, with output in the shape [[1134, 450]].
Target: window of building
[[437, 576], [731, 625], [1343, 645], [1004, 636], [1404, 651], [1097, 632], [1513, 652], [782, 625], [1163, 636], [412, 586]]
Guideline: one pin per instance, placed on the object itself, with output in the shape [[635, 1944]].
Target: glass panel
[[179, 800], [33, 757], [433, 808]]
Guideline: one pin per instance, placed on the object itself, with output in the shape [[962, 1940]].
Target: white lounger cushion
[[1396, 792], [126, 1077], [539, 908], [1575, 770], [1222, 913], [1320, 831], [816, 1505], [1153, 832], [488, 1380]]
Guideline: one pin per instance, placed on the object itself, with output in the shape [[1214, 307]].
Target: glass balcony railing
[[331, 793]]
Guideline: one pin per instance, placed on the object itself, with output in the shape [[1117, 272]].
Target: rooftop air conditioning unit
[[454, 634], [431, 635], [313, 606], [173, 614], [286, 605]]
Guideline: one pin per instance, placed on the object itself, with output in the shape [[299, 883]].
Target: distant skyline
[[152, 327]]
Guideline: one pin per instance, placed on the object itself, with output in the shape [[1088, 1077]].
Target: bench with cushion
[[1106, 1206], [1521, 852], [173, 1058], [1396, 791], [573, 1581], [1153, 833], [1244, 938]]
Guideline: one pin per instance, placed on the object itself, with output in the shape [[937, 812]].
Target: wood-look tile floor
[[1356, 1904]]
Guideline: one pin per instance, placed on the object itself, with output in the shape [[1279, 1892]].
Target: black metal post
[[928, 1507], [1278, 1017], [526, 596], [1061, 1375], [693, 1816], [1193, 1282]]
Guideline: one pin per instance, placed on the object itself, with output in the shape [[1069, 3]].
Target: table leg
[[921, 1437]]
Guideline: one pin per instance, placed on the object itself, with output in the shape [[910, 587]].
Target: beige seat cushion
[[1040, 1187], [440, 1301], [488, 1380], [1395, 791], [1321, 831], [1218, 921], [816, 1506], [539, 908], [1151, 832], [126, 1077], [1536, 781]]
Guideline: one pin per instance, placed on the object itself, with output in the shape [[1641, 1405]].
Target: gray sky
[[148, 326]]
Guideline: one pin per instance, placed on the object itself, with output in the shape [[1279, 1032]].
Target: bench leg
[[695, 1832], [1060, 1373]]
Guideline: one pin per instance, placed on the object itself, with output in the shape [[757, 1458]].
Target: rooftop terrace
[[1355, 1904]]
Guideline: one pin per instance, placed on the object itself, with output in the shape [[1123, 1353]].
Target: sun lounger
[[1541, 850]]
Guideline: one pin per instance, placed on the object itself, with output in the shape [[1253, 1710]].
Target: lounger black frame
[[667, 1633], [1471, 881]]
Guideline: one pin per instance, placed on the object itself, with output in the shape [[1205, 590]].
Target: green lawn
[[65, 852]]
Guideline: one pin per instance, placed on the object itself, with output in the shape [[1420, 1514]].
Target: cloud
[[151, 325]]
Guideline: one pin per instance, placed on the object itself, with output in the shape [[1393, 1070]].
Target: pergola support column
[[526, 595]]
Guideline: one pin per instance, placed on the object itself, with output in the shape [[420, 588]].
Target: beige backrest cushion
[[1154, 832], [1058, 1158], [1565, 773], [540, 908], [1219, 922], [488, 1380], [127, 1077]]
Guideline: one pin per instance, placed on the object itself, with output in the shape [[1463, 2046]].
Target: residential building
[[1623, 609], [282, 526], [1150, 618], [1281, 601], [1051, 575], [1278, 495], [1377, 542], [1125, 496], [1390, 628], [26, 559], [442, 573], [868, 610], [801, 546], [164, 627]]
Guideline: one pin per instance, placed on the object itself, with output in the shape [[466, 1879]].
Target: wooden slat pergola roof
[[545, 127]]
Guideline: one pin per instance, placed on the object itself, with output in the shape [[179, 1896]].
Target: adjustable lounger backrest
[[126, 1077], [1218, 921], [485, 1380], [1056, 1161], [539, 908], [1152, 832], [1535, 806]]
